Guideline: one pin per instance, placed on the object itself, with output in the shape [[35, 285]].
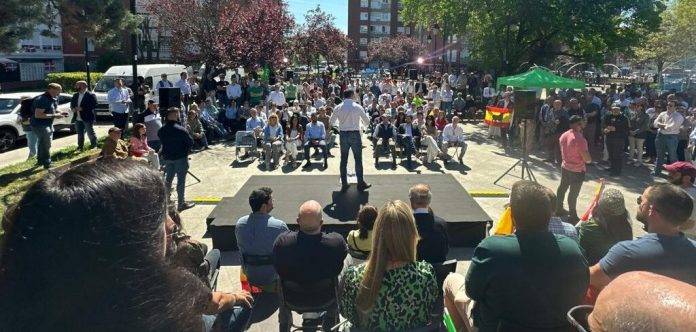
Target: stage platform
[[466, 220]]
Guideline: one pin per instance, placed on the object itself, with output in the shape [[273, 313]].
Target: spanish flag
[[498, 116]]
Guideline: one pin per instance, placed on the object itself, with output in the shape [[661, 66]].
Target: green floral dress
[[405, 298]]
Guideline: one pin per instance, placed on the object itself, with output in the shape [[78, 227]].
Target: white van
[[151, 73]]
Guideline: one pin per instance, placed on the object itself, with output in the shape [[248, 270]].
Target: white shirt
[[319, 102], [234, 91], [447, 95], [672, 123], [452, 133], [349, 114], [421, 211], [79, 101], [277, 98], [488, 92], [184, 86]]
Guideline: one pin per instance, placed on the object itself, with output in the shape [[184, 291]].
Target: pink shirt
[[138, 147], [572, 145]]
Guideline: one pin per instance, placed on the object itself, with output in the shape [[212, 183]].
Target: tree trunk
[[659, 64]]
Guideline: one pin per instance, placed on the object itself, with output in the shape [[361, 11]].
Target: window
[[372, 28], [49, 66], [363, 55], [400, 29], [364, 16], [364, 3], [363, 41], [363, 29]]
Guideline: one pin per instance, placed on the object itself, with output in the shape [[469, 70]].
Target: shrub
[[68, 79]]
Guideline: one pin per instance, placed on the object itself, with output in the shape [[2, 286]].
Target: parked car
[[11, 130]]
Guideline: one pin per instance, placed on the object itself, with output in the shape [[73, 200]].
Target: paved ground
[[61, 139], [484, 162]]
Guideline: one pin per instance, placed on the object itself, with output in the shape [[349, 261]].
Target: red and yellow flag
[[498, 116]]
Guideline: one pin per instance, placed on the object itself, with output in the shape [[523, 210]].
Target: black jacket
[[88, 104], [415, 131], [433, 245], [306, 258], [176, 141], [619, 122]]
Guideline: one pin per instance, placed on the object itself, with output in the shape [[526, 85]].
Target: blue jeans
[[82, 127], [32, 142], [177, 168], [351, 140], [233, 320], [120, 120], [665, 143], [44, 136], [155, 145]]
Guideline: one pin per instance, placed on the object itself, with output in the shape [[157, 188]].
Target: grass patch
[[15, 179]]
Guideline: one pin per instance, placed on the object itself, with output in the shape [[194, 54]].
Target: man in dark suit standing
[[83, 103], [433, 245]]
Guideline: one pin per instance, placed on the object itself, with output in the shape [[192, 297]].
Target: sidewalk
[[61, 140]]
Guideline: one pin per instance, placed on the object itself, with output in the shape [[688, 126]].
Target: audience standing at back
[[392, 291], [663, 209], [256, 233], [528, 280], [432, 230], [609, 224]]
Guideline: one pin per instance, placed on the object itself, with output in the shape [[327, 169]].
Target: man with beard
[[683, 174], [663, 209]]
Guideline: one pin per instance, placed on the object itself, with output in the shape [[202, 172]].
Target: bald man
[[309, 255], [643, 301]]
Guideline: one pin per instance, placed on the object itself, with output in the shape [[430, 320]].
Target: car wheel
[[8, 138]]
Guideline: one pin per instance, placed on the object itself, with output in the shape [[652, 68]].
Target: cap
[[616, 104], [611, 202], [575, 119], [151, 101], [683, 167], [114, 129]]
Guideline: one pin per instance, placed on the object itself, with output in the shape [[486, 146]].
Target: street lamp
[[420, 60]]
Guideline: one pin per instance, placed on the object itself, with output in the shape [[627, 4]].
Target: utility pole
[[134, 50], [89, 79]]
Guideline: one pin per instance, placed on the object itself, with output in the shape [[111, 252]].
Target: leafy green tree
[[18, 18], [508, 34]]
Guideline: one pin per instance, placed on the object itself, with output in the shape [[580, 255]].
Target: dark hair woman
[[85, 251], [610, 224]]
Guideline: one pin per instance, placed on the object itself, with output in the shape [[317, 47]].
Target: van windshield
[[105, 83]]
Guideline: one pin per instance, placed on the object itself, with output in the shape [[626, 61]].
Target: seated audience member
[[255, 235], [440, 119], [452, 136], [610, 224], [432, 230], [528, 280], [139, 147], [195, 129], [82, 252], [310, 255], [662, 209], [384, 131], [430, 138], [360, 240], [557, 225], [644, 301], [255, 124], [272, 141], [410, 138], [184, 252], [114, 147], [323, 117], [315, 136], [293, 138], [392, 291]]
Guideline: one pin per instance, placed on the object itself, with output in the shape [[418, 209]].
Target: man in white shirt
[[668, 124], [349, 116], [185, 88], [452, 136], [234, 92], [276, 97], [447, 95], [119, 100]]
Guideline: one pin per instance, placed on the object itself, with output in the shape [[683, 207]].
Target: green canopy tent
[[540, 78]]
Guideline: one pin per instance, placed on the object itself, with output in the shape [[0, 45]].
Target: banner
[[504, 225], [498, 116], [598, 192]]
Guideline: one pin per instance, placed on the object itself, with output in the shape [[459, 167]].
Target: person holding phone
[[119, 100], [45, 110], [616, 131]]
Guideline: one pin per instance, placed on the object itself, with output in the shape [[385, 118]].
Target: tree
[[104, 21], [319, 37], [224, 34], [395, 51], [506, 34]]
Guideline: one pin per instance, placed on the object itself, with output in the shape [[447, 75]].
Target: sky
[[337, 8]]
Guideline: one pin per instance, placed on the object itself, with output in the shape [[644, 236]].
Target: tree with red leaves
[[224, 34], [319, 37], [396, 50]]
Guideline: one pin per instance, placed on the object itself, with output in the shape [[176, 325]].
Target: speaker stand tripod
[[524, 161]]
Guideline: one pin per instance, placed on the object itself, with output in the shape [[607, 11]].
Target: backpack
[[26, 109]]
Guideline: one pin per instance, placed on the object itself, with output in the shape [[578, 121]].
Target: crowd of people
[[70, 247]]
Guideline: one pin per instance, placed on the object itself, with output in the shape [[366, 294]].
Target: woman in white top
[[293, 139]]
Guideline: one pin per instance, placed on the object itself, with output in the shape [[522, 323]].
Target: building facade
[[370, 20], [35, 57]]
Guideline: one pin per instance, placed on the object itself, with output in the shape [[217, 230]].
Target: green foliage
[[18, 18], [67, 79], [508, 34], [111, 58]]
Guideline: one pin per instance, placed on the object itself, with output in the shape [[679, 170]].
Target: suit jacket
[[88, 104], [415, 131], [421, 87], [433, 245]]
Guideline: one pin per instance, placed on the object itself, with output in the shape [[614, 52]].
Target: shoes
[[328, 154], [363, 185], [393, 165], [186, 206], [326, 164], [307, 165], [376, 164]]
